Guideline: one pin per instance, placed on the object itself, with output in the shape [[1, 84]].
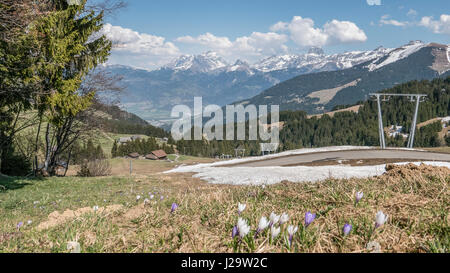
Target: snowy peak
[[397, 54], [202, 63], [240, 65]]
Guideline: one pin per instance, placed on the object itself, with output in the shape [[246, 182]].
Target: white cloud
[[412, 13], [139, 49], [304, 33], [386, 21], [256, 45], [441, 26], [373, 2]]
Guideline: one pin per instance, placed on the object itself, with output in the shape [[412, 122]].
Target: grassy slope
[[416, 201]]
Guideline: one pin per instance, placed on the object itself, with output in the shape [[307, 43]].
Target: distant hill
[[320, 92], [112, 119]]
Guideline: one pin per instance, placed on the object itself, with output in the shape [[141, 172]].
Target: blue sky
[[149, 34]]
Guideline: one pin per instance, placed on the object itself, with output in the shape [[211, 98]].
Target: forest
[[349, 128]]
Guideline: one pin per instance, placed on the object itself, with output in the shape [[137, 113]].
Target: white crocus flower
[[275, 232], [380, 219], [358, 196], [95, 208], [243, 227], [284, 218], [274, 219], [138, 197], [263, 224], [241, 207]]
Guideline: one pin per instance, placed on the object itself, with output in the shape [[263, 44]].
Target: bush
[[16, 165], [93, 168]]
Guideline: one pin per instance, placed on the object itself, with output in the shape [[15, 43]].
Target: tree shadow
[[8, 183]]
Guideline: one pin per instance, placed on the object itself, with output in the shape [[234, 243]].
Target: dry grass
[[416, 198]]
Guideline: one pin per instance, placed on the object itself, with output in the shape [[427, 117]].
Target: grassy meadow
[[133, 213]]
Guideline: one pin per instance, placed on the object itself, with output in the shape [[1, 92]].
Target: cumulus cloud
[[141, 49], [304, 33], [441, 26], [373, 2], [258, 44]]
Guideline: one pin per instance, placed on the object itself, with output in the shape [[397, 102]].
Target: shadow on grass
[[8, 183]]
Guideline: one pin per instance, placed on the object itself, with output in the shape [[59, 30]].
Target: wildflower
[[275, 231], [138, 198], [152, 196], [19, 225], [235, 232], [347, 228], [380, 219], [291, 231], [146, 201], [241, 208], [284, 218], [243, 227], [174, 207], [95, 208], [29, 222], [73, 247], [162, 198], [274, 219], [263, 224], [309, 218], [358, 196]]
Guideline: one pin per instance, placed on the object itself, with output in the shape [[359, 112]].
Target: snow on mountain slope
[[397, 54], [205, 62], [315, 61]]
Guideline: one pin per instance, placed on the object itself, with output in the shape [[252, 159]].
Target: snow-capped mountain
[[315, 60], [202, 63], [395, 55], [382, 68], [152, 94]]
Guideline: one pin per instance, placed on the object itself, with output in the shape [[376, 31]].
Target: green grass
[[416, 200]]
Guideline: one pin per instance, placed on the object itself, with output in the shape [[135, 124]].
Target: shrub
[[16, 165], [98, 167]]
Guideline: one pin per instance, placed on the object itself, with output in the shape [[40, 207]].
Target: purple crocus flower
[[309, 218], [347, 228], [235, 232], [174, 207], [162, 197], [19, 225]]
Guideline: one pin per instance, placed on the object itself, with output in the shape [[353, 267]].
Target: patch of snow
[[272, 175]]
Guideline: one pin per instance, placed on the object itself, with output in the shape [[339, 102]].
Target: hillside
[[319, 92], [359, 128]]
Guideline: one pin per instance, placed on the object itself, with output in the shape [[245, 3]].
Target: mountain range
[[313, 82]]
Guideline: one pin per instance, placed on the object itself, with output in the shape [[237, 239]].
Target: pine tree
[[68, 51]]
